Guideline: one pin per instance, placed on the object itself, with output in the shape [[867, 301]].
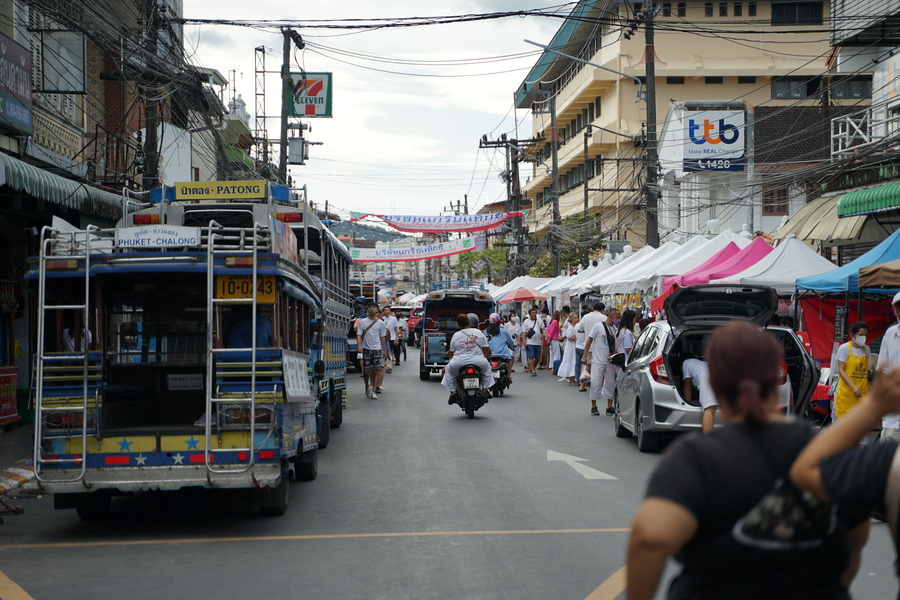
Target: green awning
[[237, 155], [879, 199], [44, 185]]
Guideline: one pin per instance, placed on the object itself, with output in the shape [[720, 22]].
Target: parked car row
[[649, 402]]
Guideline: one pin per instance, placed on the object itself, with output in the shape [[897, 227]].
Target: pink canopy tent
[[744, 259], [719, 257]]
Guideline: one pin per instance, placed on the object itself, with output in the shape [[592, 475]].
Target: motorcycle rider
[[499, 340], [468, 346]]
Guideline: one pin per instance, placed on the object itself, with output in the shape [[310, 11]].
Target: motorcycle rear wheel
[[470, 406]]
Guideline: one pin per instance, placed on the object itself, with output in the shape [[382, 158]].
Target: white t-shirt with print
[[372, 337], [467, 343], [536, 338]]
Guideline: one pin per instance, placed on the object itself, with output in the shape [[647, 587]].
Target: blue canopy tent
[[845, 279]]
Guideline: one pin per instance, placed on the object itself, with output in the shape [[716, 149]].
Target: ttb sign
[[714, 140], [310, 95]]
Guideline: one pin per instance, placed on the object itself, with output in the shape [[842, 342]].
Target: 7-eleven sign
[[311, 95]]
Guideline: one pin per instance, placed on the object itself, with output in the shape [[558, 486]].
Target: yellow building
[[758, 53]]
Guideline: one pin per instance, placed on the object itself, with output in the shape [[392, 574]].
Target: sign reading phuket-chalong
[[213, 190], [157, 236], [714, 140], [404, 253]]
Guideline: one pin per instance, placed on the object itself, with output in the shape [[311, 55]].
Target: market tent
[[884, 277], [845, 279], [637, 258], [747, 257], [718, 258], [633, 281], [691, 260], [519, 282], [781, 268], [618, 284]]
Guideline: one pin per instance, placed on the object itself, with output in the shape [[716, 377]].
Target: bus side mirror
[[319, 370]]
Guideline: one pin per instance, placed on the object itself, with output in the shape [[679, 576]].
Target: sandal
[[533, 374]]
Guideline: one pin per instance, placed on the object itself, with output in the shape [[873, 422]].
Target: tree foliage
[[489, 263]]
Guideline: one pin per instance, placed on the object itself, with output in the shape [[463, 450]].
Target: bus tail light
[[291, 217], [146, 219]]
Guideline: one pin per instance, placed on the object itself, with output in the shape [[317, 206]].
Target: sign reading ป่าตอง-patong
[[214, 190], [404, 253], [310, 95]]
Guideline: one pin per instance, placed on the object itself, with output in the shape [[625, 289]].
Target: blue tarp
[[846, 278]]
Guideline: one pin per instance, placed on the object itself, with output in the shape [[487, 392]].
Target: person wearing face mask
[[853, 360]]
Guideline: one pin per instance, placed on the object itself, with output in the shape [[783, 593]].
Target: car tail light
[[784, 373], [658, 370]]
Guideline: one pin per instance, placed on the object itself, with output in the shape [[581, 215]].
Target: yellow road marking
[[283, 538], [10, 591], [611, 588]]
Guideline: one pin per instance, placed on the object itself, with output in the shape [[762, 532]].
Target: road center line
[[611, 588], [10, 591], [285, 538]]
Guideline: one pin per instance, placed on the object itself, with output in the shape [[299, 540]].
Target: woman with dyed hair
[[703, 489]]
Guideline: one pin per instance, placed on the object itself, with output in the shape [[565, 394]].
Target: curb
[[14, 478]]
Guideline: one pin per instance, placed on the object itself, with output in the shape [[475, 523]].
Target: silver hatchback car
[[649, 403]]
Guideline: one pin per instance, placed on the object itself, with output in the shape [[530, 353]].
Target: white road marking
[[575, 463]]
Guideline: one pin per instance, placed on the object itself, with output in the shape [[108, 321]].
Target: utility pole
[[554, 186], [285, 98], [588, 132], [151, 114], [652, 157]]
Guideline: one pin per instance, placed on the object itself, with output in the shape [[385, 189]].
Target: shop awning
[[882, 198], [818, 221], [44, 185]]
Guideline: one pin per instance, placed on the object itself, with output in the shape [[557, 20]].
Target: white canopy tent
[[626, 281], [520, 282], [588, 284], [692, 260], [596, 283], [780, 269]]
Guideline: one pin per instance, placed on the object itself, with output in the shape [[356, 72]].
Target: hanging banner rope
[[405, 253], [445, 223]]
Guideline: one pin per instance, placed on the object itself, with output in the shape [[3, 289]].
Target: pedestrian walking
[[853, 366], [371, 335], [533, 334], [706, 495], [835, 468], [888, 358], [580, 337], [553, 331], [390, 322], [403, 329], [569, 368], [545, 340], [599, 345]]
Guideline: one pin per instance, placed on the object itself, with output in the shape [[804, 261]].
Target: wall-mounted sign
[[15, 87], [311, 95], [714, 140]]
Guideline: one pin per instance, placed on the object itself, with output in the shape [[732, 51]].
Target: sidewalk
[[15, 458]]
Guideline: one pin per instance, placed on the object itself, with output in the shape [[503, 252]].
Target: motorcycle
[[469, 395], [502, 380]]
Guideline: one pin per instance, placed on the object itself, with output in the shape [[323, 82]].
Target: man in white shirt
[[888, 358], [584, 327], [599, 345], [390, 323], [403, 328], [533, 330], [370, 337], [696, 375]]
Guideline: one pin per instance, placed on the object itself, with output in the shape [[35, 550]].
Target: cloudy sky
[[410, 104]]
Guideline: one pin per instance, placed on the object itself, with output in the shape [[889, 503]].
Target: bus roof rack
[[458, 284]]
